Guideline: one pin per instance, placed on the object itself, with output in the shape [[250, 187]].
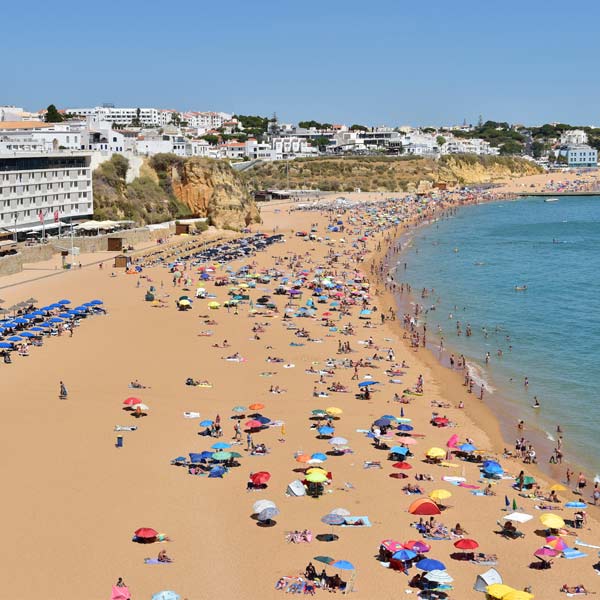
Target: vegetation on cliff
[[143, 200], [381, 173]]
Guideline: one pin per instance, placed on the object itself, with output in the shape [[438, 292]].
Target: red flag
[[41, 216], [56, 216]]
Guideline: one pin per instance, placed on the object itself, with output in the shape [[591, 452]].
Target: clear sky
[[389, 62]]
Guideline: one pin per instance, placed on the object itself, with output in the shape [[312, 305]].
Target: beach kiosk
[[122, 261], [115, 244]]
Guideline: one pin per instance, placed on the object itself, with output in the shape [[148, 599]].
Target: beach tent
[[490, 577], [518, 517], [424, 506], [295, 488]]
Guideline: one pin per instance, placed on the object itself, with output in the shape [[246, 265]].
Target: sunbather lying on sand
[[574, 589]]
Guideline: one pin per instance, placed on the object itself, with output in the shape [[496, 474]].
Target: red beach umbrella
[[253, 424], [260, 478], [417, 546], [131, 401], [257, 406], [466, 544], [402, 465], [392, 545], [146, 533]]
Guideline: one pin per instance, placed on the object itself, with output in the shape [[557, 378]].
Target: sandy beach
[[74, 499]]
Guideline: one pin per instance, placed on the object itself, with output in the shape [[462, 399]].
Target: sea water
[[549, 333]]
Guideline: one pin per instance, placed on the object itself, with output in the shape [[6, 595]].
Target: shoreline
[[496, 424]]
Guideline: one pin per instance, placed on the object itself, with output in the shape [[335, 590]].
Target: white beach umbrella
[[338, 441], [141, 406], [343, 512], [438, 576], [260, 505]]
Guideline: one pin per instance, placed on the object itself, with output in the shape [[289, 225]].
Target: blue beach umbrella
[[55, 320], [221, 446], [65, 315], [37, 329], [467, 448], [14, 338], [367, 383], [166, 595], [404, 555], [206, 423], [399, 450], [27, 334], [430, 564], [491, 467], [45, 325], [576, 504], [381, 422], [263, 420], [96, 302], [319, 456], [21, 320], [63, 302], [405, 427], [5, 346], [326, 430], [343, 565]]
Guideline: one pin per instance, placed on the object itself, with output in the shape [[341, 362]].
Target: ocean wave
[[476, 373]]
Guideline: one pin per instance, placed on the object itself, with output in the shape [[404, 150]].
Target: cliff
[[385, 174], [170, 187], [211, 188]]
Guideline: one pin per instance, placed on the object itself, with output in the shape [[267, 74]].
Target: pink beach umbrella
[[451, 443]]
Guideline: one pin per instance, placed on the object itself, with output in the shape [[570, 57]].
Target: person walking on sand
[[62, 394]]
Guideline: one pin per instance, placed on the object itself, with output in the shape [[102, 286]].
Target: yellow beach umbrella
[[552, 521], [213, 305], [498, 590], [518, 595], [316, 470], [439, 495], [243, 285], [184, 303], [334, 410], [317, 477], [558, 487], [435, 453]]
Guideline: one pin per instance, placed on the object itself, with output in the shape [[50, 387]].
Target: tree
[[356, 127], [310, 124], [429, 130], [176, 119], [213, 140], [537, 149], [52, 115], [137, 121], [511, 147], [320, 142], [440, 140]]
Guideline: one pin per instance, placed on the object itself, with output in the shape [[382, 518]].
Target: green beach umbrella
[[235, 455], [325, 559], [514, 506], [221, 456]]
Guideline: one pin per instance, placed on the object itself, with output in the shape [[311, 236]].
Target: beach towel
[[572, 553], [477, 493], [352, 522], [191, 415], [468, 486], [120, 593], [125, 427], [155, 561], [455, 480], [578, 542]]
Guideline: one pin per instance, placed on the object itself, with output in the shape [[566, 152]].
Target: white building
[[42, 190], [580, 155], [28, 136], [148, 117], [455, 145], [574, 137]]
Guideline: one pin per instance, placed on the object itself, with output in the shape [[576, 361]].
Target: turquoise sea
[[473, 261]]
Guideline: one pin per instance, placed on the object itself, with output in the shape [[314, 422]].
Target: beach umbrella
[[221, 455], [253, 424], [302, 458], [491, 467], [398, 450], [95, 302], [466, 544], [440, 495], [131, 401], [334, 411], [498, 590], [319, 456], [381, 422], [316, 477], [197, 457], [367, 383], [439, 576], [235, 455], [27, 334], [317, 412], [340, 511], [324, 559], [238, 409], [14, 338], [467, 448], [316, 470], [343, 565], [391, 545], [572, 504], [6, 346], [65, 301], [405, 427], [65, 315], [424, 506], [402, 465], [141, 406], [260, 478], [332, 519], [552, 521], [556, 543], [545, 553], [557, 487], [404, 554], [146, 533], [268, 513], [39, 329], [184, 303], [260, 505], [430, 564], [21, 320], [257, 406], [451, 443], [435, 453], [338, 441], [166, 595], [206, 423], [518, 595], [418, 546], [409, 441], [221, 446], [326, 430]]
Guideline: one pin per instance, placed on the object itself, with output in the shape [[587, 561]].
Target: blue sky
[[380, 62]]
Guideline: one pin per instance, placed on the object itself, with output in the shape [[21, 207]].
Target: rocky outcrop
[[212, 189], [458, 169]]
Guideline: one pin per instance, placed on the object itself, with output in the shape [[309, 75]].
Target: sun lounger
[[372, 464]]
